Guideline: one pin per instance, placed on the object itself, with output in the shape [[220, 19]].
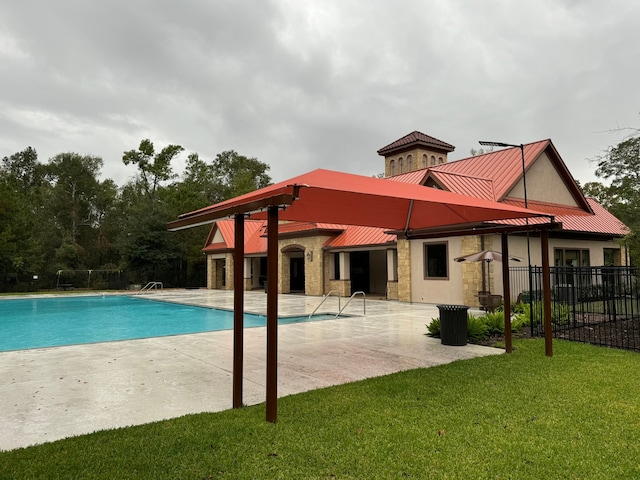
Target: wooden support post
[[506, 295], [272, 314], [546, 293], [238, 309]]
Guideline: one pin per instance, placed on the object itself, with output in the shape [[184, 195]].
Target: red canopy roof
[[335, 197]]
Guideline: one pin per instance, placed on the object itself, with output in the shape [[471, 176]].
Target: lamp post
[[526, 205]]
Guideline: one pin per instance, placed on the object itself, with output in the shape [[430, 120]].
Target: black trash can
[[453, 324]]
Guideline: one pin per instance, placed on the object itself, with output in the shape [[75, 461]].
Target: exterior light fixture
[[526, 203]]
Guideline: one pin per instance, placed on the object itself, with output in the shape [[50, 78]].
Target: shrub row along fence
[[597, 305]]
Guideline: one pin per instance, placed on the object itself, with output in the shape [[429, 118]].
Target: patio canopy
[[335, 197]]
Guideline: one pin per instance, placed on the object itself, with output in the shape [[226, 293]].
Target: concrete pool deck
[[52, 393]]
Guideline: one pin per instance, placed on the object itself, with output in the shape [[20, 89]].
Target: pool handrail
[[151, 285], [364, 303], [324, 298]]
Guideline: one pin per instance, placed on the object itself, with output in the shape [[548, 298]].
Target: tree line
[[620, 166], [60, 217]]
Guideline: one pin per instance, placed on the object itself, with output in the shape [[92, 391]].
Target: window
[[409, 163], [571, 257], [336, 266], [392, 167], [435, 260], [400, 166], [433, 160], [440, 160], [424, 160], [611, 257]]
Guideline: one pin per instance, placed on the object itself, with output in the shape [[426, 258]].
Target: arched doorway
[[293, 267]]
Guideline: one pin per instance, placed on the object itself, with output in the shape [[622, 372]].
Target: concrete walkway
[[53, 393]]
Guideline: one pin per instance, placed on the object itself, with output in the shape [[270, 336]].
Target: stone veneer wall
[[313, 270], [472, 271], [228, 272], [342, 286], [211, 272], [416, 155], [215, 271], [404, 270], [392, 290]]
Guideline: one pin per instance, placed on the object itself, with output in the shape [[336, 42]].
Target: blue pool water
[[51, 322]]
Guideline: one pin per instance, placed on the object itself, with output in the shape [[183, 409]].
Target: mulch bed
[[623, 333]]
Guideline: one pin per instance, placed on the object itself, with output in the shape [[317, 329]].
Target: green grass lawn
[[573, 416]]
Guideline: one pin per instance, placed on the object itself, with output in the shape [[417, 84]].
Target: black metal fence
[[65, 280], [597, 305]]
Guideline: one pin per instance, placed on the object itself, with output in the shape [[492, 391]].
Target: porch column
[[506, 294], [546, 292], [345, 266], [392, 265], [238, 309], [272, 314], [247, 274]]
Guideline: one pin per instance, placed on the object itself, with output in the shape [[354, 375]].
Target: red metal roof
[[503, 168], [354, 236], [343, 236], [254, 241], [336, 197], [418, 139], [416, 177], [487, 177], [465, 185], [573, 219], [298, 227]]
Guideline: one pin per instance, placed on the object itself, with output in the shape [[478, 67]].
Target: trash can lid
[[453, 307]]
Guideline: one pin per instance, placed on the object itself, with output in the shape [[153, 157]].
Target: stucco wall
[[544, 184], [427, 290], [465, 278]]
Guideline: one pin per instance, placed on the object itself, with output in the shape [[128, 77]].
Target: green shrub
[[519, 321], [494, 322], [560, 313], [434, 328], [476, 328], [521, 315]]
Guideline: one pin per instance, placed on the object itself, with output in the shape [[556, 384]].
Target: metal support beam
[[272, 314], [506, 295], [546, 293], [238, 309]]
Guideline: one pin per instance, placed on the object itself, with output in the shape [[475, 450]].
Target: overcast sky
[[307, 84]]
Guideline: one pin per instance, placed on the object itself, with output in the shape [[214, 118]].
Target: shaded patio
[[335, 197]]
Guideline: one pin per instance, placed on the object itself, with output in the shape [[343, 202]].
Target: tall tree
[[237, 174], [621, 166], [22, 225], [153, 168], [144, 242], [75, 189]]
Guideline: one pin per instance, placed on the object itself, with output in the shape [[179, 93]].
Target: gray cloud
[[302, 84]]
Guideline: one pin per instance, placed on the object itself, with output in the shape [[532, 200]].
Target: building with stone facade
[[317, 258]]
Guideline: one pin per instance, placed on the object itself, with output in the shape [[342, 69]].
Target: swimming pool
[[51, 322]]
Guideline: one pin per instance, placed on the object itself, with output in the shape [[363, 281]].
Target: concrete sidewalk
[[53, 393]]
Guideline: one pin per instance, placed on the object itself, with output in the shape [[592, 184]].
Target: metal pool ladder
[[151, 286], [332, 292]]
